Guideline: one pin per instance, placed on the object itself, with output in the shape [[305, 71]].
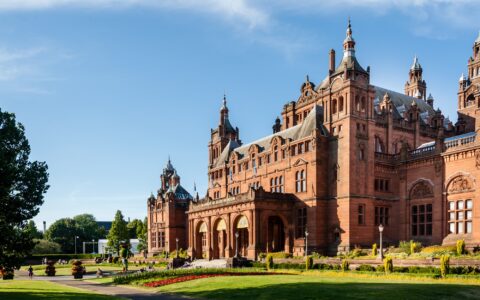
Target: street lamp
[[380, 229], [306, 242], [236, 244], [76, 237], [176, 240]]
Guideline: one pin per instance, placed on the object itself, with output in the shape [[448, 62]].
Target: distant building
[[103, 244], [106, 225]]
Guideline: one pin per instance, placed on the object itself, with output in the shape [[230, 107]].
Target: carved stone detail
[[477, 159], [421, 190], [459, 184]]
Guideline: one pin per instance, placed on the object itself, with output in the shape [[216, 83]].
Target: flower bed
[[173, 280]]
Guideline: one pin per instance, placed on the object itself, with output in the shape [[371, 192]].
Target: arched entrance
[[241, 229], [201, 241], [276, 234], [220, 239]]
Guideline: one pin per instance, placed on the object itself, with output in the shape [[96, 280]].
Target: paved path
[[104, 289]]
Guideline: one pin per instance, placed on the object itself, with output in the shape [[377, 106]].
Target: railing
[[460, 142], [422, 151], [386, 157]]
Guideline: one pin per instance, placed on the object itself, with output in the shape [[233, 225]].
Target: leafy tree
[[142, 236], [118, 232], [134, 227], [32, 230], [46, 247], [22, 187], [63, 232]]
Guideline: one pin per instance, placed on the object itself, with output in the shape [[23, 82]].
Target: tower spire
[[349, 42]]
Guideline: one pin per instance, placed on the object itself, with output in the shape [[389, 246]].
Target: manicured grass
[[39, 270], [325, 285], [32, 289]]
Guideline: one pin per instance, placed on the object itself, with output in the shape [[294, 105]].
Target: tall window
[[275, 153], [460, 216], [301, 222], [276, 185], [334, 106], [300, 181], [422, 220], [381, 215], [361, 214]]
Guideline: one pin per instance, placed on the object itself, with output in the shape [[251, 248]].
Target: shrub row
[[63, 256]]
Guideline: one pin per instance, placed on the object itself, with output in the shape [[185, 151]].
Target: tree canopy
[[63, 232], [23, 184], [118, 232]]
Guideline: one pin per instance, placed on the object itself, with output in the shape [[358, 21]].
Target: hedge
[[63, 256]]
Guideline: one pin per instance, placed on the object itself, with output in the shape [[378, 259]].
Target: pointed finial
[[416, 65], [224, 100], [478, 38], [194, 186], [308, 79], [349, 27]]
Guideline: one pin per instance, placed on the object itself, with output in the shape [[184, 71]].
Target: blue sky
[[107, 89]]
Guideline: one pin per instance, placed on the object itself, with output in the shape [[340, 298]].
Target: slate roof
[[313, 120], [352, 63], [179, 192]]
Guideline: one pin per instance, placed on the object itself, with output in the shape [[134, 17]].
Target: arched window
[[334, 106], [379, 145], [357, 103], [362, 104], [340, 104], [275, 153]]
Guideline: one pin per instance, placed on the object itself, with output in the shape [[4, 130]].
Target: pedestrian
[[30, 272]]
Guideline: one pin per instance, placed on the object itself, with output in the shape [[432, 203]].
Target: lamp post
[[236, 244], [306, 242], [76, 237], [93, 246], [176, 240], [380, 229]]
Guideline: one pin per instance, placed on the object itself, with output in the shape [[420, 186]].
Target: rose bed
[[173, 280]]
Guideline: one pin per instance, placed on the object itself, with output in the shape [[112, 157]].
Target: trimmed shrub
[[439, 250], [404, 246], [444, 265], [280, 255], [460, 247], [77, 269], [365, 268], [262, 255], [269, 262], [308, 262], [388, 265], [181, 253], [374, 249], [345, 265], [415, 247]]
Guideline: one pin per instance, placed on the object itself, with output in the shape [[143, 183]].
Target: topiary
[[444, 265], [50, 268], [374, 249], [309, 262], [345, 265], [388, 265], [269, 261], [460, 247], [77, 269], [415, 247]]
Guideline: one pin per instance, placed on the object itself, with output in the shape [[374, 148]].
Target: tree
[[142, 236], [22, 187], [118, 232], [46, 247], [32, 230], [63, 231], [134, 227]]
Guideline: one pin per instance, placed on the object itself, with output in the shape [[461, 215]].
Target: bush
[[345, 265], [316, 255], [181, 253], [269, 261], [262, 255], [439, 250], [444, 265], [460, 247], [62, 256], [46, 246], [374, 249], [380, 268], [388, 265], [77, 269], [279, 255], [365, 268], [415, 247], [404, 246], [308, 262]]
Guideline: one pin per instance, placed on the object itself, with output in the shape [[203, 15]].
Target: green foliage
[[181, 253], [444, 265], [63, 232], [51, 256], [22, 186], [280, 255], [374, 249], [460, 247], [365, 268], [124, 252], [142, 236], [404, 246], [316, 255], [269, 261], [46, 246], [439, 250], [388, 265], [309, 262], [32, 230], [415, 247], [118, 232], [345, 265]]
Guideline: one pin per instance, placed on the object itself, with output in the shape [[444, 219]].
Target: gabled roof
[[313, 120], [351, 62]]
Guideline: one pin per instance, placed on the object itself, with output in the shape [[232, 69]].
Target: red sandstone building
[[346, 157]]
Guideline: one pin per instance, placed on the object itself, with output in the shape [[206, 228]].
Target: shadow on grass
[[51, 296], [317, 290]]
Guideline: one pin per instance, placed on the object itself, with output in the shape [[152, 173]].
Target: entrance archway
[[220, 239], [242, 229], [201, 241], [276, 234]]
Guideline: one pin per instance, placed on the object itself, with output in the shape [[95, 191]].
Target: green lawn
[[325, 285], [39, 270], [32, 289]]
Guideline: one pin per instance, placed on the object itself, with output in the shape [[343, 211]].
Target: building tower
[[416, 86]]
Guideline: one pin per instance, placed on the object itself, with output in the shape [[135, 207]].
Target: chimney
[[44, 226], [332, 62]]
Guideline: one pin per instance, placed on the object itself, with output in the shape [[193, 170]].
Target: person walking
[[30, 272]]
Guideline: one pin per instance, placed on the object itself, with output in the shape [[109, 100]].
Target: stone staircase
[[207, 264]]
